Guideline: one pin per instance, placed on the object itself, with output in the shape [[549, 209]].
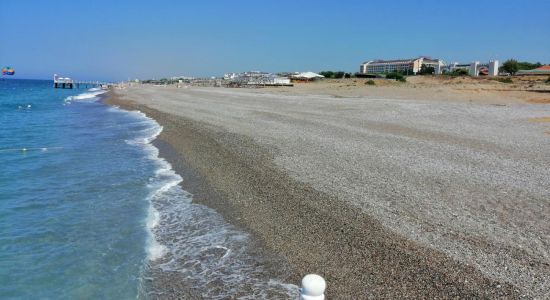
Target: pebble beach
[[384, 196]]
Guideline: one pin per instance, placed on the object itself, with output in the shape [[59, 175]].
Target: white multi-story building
[[411, 66]]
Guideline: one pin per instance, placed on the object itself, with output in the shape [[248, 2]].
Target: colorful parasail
[[8, 71]]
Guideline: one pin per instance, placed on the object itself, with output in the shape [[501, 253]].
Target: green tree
[[511, 66]]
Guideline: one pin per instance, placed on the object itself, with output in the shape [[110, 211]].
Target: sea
[[88, 209]]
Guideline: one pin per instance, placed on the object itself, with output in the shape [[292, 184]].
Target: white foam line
[[155, 250], [91, 94]]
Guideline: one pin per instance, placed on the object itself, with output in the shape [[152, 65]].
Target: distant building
[[229, 76], [411, 66], [255, 78]]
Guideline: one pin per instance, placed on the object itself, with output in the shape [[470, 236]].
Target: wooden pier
[[68, 83]]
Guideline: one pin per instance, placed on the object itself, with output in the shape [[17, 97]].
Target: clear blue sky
[[115, 40]]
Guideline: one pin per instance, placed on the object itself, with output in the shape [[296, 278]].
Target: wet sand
[[385, 198]]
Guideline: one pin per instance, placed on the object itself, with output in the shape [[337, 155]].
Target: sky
[[118, 40]]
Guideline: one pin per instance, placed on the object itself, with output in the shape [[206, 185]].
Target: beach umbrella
[[8, 71]]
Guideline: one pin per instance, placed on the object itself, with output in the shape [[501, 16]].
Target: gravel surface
[[431, 199]]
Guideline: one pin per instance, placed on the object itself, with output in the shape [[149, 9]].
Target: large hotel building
[[411, 66]]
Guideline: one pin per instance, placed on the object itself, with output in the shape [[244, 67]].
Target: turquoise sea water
[[72, 206], [89, 211]]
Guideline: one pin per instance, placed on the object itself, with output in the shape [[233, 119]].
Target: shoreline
[[159, 284], [310, 230]]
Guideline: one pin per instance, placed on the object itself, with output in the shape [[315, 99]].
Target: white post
[[493, 68], [474, 71], [313, 287]]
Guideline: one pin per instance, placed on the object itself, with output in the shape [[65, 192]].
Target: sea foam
[[195, 241], [158, 183], [90, 94]]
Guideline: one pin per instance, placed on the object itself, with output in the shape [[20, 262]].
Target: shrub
[[458, 72], [505, 80], [361, 75], [392, 75], [397, 76], [370, 82]]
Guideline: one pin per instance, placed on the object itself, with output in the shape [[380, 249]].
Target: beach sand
[[386, 191]]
